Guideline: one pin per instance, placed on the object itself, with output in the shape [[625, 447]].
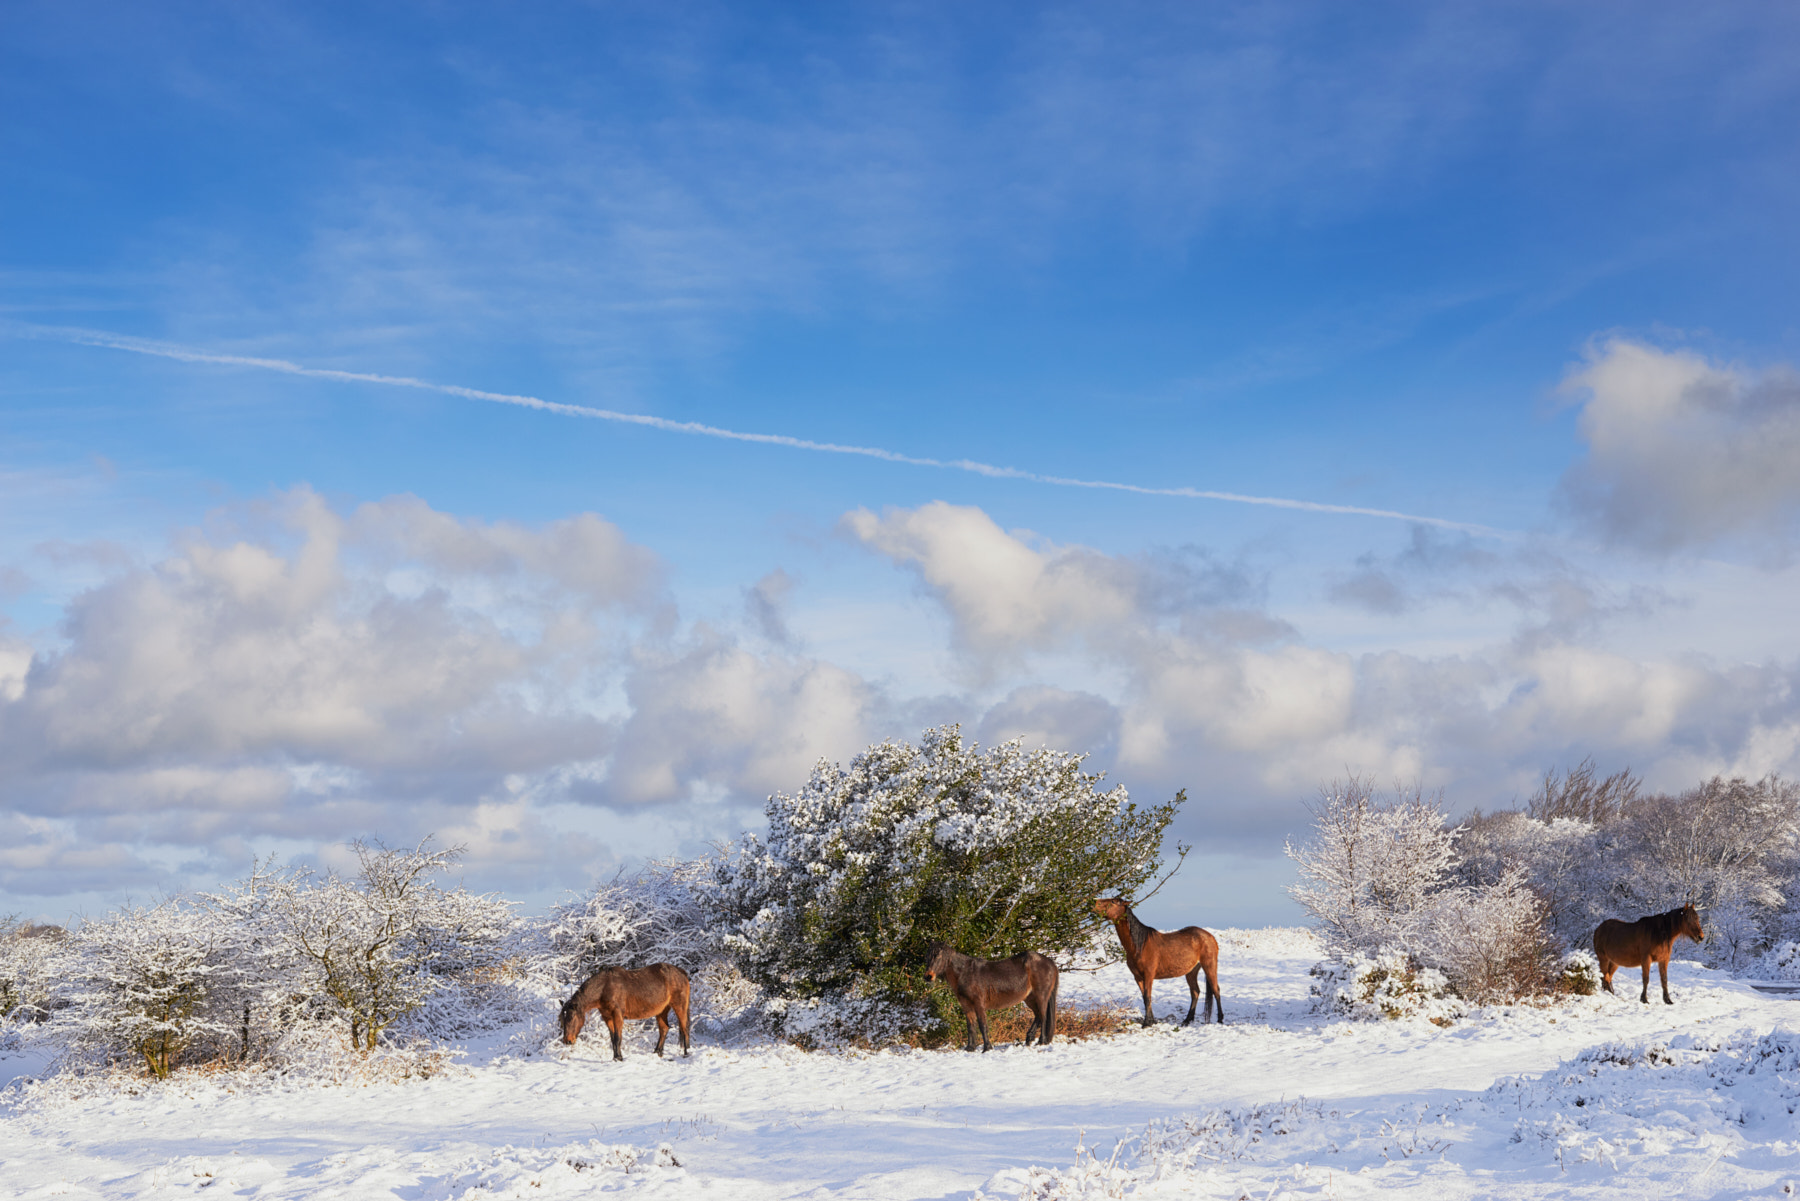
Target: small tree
[[377, 947], [142, 982], [993, 852], [1371, 864]]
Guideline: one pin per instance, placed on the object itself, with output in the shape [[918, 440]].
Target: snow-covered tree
[[376, 947], [1371, 864], [994, 851], [142, 982], [1568, 864]]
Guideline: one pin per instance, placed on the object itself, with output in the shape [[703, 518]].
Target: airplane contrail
[[186, 354]]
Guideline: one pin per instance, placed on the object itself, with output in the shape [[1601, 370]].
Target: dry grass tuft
[[1073, 1023]]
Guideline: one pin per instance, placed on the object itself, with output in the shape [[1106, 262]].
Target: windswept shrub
[[993, 851]]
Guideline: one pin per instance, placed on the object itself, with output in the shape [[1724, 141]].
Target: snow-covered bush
[[376, 948], [1370, 865], [1379, 875], [1579, 973], [27, 975], [657, 914], [144, 983], [1489, 941], [1779, 962], [1388, 985], [993, 851], [1568, 864]]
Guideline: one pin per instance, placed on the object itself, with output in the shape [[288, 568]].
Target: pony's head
[[937, 960], [1687, 923], [572, 1019], [1111, 908]]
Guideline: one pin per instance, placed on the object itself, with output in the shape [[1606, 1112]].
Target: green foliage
[[992, 851]]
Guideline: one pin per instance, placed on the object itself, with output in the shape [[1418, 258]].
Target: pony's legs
[[1146, 983], [1050, 1017], [1213, 995], [681, 1020], [1193, 979], [1034, 1003], [986, 1046], [969, 1017], [615, 1026], [662, 1030], [1662, 967], [1644, 996]]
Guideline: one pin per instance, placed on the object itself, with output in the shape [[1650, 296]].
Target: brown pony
[[984, 984], [623, 994], [1620, 944], [1154, 955]]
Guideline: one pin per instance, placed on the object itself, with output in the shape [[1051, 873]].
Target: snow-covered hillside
[[1583, 1097]]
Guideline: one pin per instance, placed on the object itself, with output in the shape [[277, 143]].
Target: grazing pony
[[984, 984], [1154, 955], [1620, 944], [623, 994]]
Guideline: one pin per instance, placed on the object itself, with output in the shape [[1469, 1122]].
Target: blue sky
[[1524, 271]]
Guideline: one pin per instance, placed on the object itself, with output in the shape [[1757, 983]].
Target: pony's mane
[[1140, 933], [1662, 924]]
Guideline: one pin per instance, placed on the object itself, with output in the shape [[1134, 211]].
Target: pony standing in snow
[[1154, 955], [623, 994], [1620, 944], [984, 984]]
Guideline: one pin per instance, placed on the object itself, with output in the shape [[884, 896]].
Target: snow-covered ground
[[1587, 1097]]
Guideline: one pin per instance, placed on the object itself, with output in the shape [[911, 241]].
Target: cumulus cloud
[[1683, 453], [1251, 722], [1008, 593], [712, 716], [299, 675]]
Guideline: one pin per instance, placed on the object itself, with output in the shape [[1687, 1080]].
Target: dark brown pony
[[984, 984], [623, 994], [1650, 939], [1154, 955]]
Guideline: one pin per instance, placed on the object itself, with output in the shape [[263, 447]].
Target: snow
[[1576, 1098]]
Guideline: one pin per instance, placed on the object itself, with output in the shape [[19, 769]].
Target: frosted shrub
[[1490, 942], [1779, 962], [993, 851], [658, 914], [376, 948], [1579, 973], [1370, 865], [27, 974], [1390, 985], [142, 982]]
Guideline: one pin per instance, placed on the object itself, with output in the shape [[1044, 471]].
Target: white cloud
[[1251, 718], [712, 715], [1683, 453]]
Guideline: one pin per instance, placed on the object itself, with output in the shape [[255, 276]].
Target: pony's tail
[[1050, 1011]]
